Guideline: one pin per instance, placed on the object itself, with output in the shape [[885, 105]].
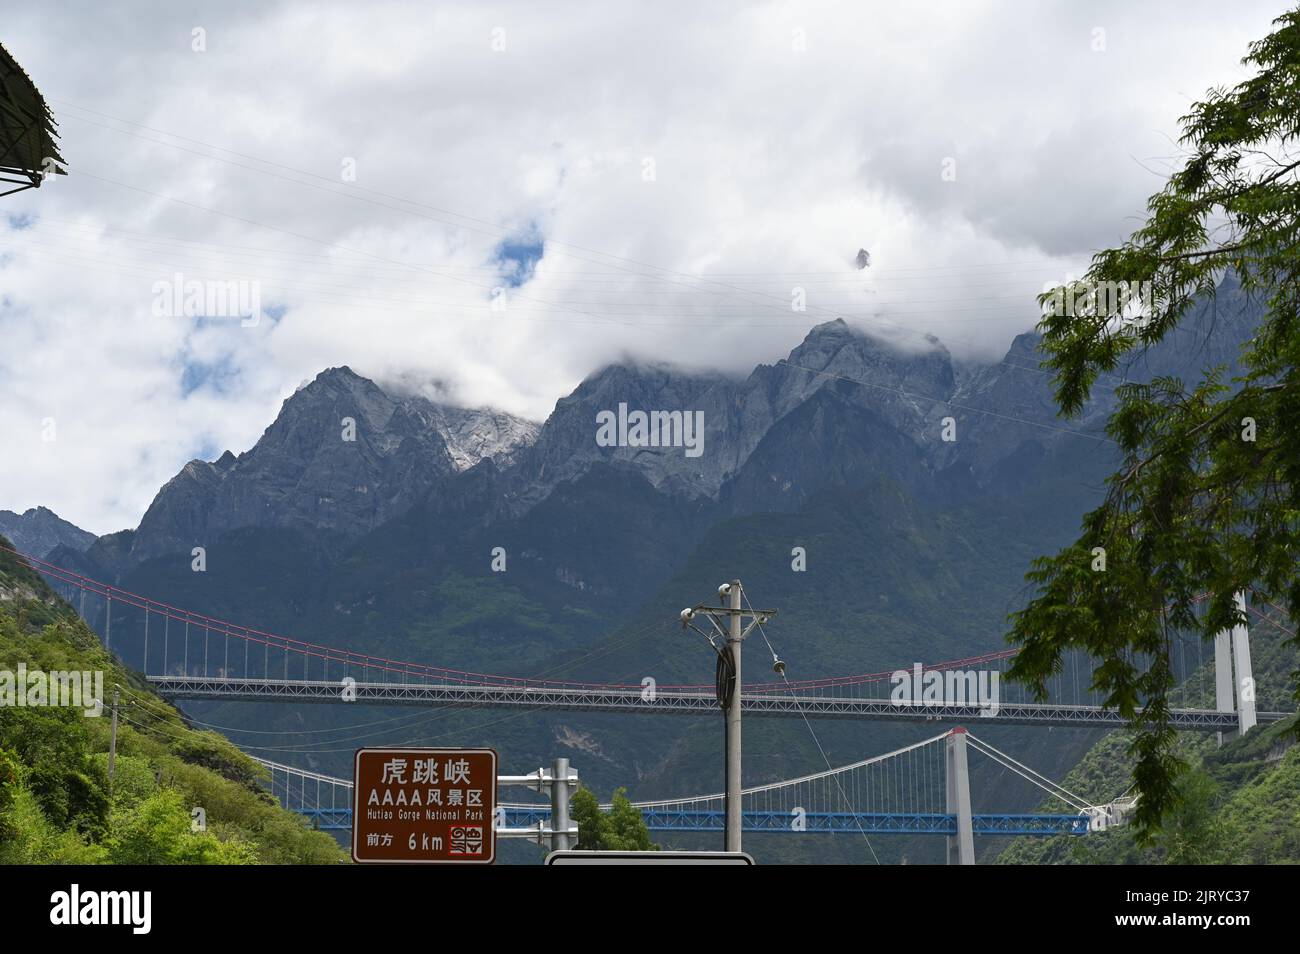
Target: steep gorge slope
[[56, 801], [916, 547]]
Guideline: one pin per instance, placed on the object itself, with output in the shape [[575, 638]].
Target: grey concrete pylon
[[1245, 681], [1234, 681], [961, 847]]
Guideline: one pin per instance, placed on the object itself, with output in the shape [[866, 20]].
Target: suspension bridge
[[188, 655], [919, 789]]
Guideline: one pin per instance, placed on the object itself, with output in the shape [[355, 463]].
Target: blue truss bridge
[[917, 789]]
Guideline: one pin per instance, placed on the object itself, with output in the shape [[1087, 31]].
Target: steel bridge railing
[[872, 823], [666, 702]]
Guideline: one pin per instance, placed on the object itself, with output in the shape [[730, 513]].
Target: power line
[[665, 271], [348, 189], [816, 741]]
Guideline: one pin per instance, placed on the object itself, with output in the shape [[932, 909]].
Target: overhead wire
[[816, 741]]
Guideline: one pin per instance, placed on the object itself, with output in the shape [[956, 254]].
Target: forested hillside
[[1240, 801], [177, 797]]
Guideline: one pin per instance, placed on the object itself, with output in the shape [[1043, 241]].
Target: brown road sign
[[424, 806]]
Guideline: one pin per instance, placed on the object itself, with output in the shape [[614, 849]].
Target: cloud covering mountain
[[560, 162]]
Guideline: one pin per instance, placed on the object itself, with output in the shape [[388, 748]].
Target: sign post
[[424, 806]]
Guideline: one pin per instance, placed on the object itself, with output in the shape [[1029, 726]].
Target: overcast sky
[[382, 173]]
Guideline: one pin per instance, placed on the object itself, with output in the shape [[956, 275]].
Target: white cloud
[[772, 167]]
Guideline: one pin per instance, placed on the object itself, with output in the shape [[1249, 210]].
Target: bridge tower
[[961, 847], [1232, 651]]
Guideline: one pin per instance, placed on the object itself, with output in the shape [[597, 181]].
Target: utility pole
[[734, 640], [729, 688], [112, 739]]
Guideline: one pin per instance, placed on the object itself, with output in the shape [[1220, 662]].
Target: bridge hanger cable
[[287, 644], [651, 804], [319, 651], [1072, 801], [1270, 620], [801, 780], [151, 704], [1024, 771]]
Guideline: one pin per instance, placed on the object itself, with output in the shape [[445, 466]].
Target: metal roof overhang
[[28, 132]]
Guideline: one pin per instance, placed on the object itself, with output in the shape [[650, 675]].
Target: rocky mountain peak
[[476, 434], [896, 383], [342, 455], [39, 530], [345, 454]]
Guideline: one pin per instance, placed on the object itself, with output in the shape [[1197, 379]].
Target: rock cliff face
[[899, 387], [312, 469], [1006, 415], [474, 435], [342, 456], [39, 530]]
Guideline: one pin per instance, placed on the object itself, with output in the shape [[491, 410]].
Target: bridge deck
[[872, 823], [668, 702]]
